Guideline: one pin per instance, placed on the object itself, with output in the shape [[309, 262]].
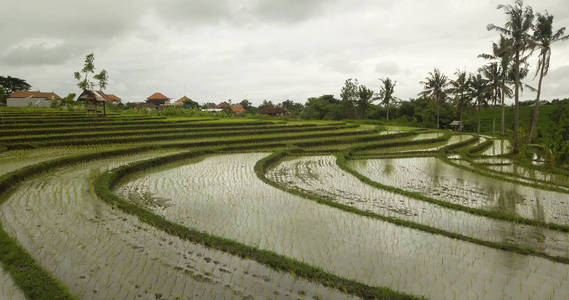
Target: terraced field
[[147, 207]]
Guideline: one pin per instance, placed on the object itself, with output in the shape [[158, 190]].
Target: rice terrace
[[460, 191]]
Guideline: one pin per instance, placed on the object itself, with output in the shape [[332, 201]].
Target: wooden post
[[104, 109]]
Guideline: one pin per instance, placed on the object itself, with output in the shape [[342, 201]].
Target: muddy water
[[439, 180], [8, 289], [223, 196], [320, 175], [499, 147], [100, 253]]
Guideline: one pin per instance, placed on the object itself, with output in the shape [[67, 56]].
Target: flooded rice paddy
[[320, 175], [498, 147], [437, 179], [98, 252], [222, 195]]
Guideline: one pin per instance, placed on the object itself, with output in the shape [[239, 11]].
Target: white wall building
[[31, 98]]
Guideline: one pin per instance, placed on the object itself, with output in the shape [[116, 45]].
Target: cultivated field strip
[[319, 175], [222, 195], [207, 139], [145, 131], [437, 179], [101, 253]]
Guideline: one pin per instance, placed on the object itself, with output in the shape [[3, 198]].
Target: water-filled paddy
[[320, 175], [435, 178], [223, 196], [498, 147], [99, 252]]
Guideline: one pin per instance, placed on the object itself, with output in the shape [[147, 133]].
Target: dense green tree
[[12, 84], [246, 104], [349, 97], [543, 36], [266, 104], [365, 98], [85, 82], [435, 87], [518, 24], [292, 107], [386, 90]]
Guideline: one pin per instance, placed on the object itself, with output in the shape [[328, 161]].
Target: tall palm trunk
[[503, 111], [387, 109], [478, 108], [438, 113], [535, 116], [517, 103], [494, 114]]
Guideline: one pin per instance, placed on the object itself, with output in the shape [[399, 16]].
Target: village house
[[110, 98], [158, 99], [186, 103], [238, 109], [31, 98]]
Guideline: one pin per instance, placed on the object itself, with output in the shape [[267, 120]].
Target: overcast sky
[[213, 50]]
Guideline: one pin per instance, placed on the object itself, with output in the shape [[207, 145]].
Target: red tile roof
[[112, 97], [238, 109], [181, 100], [34, 94], [109, 97], [157, 96]]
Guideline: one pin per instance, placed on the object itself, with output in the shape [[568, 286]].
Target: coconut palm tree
[[501, 52], [543, 36], [435, 85], [492, 74], [386, 91], [519, 22], [479, 91], [460, 87]]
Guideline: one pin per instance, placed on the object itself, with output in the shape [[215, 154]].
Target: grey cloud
[[387, 68], [35, 54]]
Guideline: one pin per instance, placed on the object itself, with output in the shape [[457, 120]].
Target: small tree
[[87, 75], [12, 84]]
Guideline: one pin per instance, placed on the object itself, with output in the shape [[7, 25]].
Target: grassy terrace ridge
[[157, 131], [104, 138], [116, 122], [105, 183], [263, 165], [43, 120], [270, 136]]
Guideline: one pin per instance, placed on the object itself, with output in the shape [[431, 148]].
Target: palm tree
[[501, 52], [519, 22], [386, 93], [479, 91], [543, 36], [492, 74], [460, 87], [435, 87]]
